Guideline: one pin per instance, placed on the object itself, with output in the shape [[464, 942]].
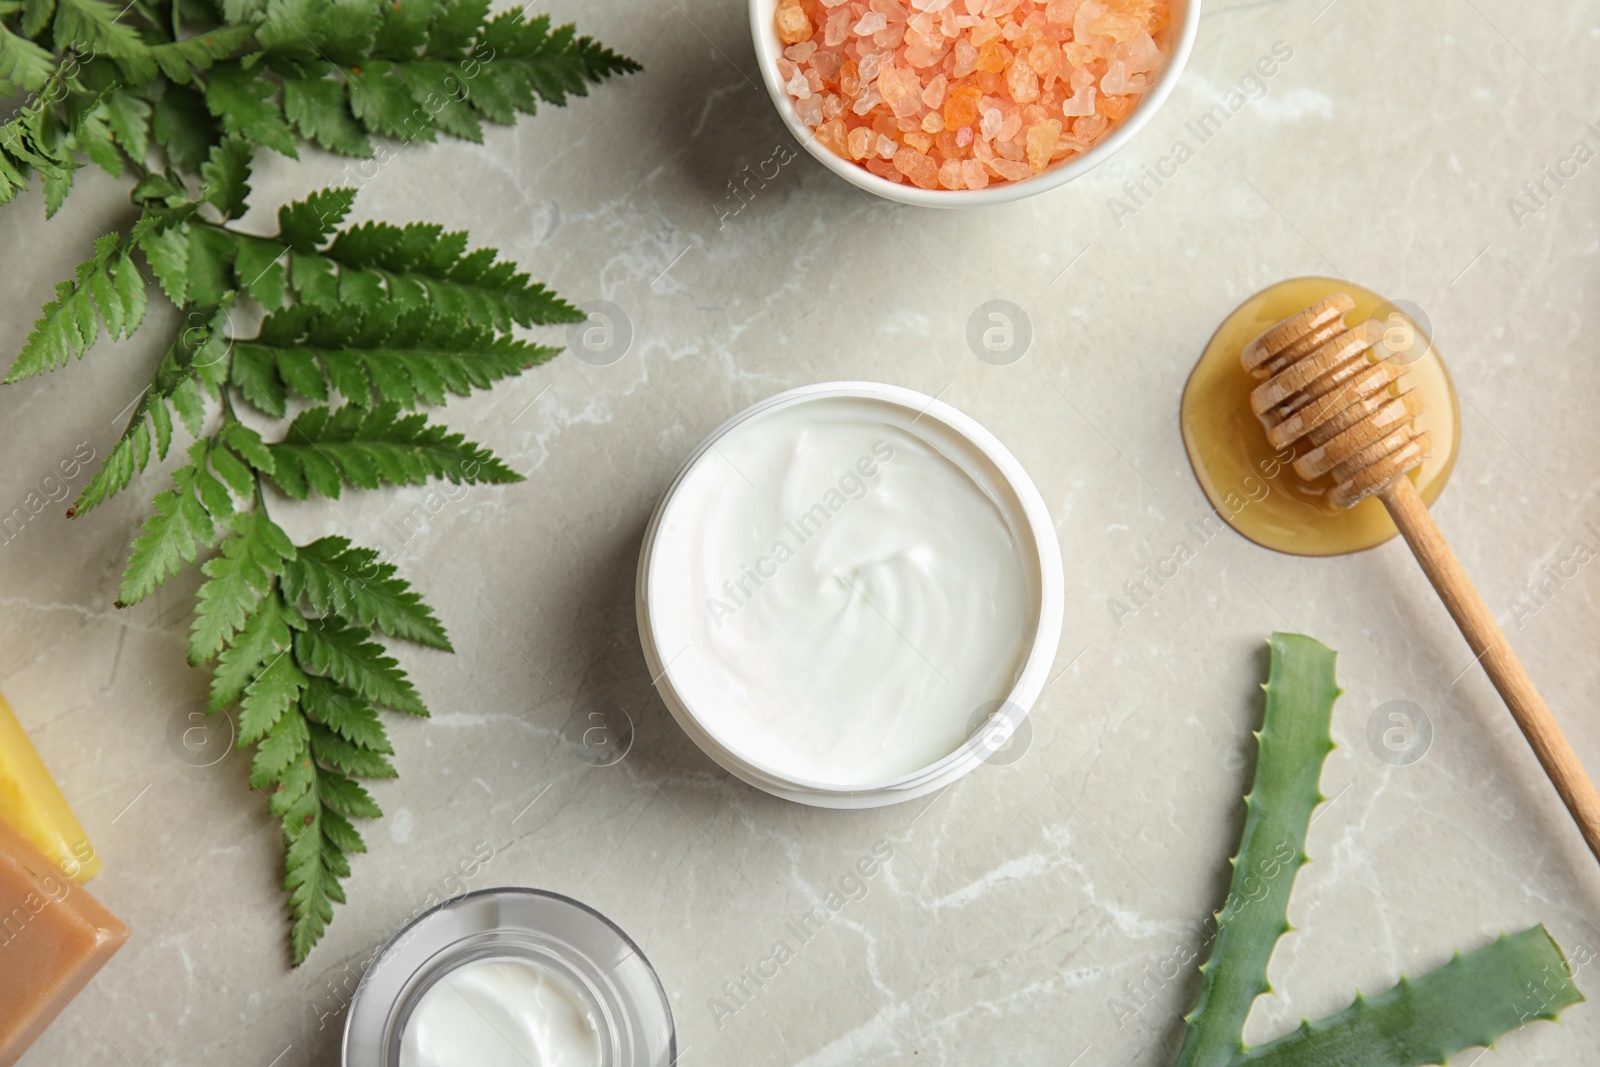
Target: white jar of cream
[[841, 585], [510, 977]]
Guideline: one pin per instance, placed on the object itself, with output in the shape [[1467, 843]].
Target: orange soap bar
[[54, 936]]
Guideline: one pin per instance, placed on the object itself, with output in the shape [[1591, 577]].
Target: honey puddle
[[1254, 488]]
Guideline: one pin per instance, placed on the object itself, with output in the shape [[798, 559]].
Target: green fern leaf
[[380, 102], [306, 225], [227, 176], [170, 538], [342, 652], [183, 127], [238, 578], [243, 101], [334, 751], [342, 710], [262, 638], [270, 693], [107, 287], [179, 60], [94, 27], [314, 864], [287, 741], [248, 444], [129, 119], [404, 358], [23, 64], [318, 108], [36, 15], [337, 578], [325, 448], [348, 797], [167, 251]]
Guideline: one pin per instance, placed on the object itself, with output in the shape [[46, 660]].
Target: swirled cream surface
[[501, 1013], [853, 593]]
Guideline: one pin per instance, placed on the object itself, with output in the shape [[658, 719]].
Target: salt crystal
[[1060, 11], [1022, 83], [1079, 103], [1142, 53], [837, 29], [1011, 170], [966, 59], [1114, 82], [871, 22], [961, 106], [957, 94], [900, 89], [831, 135], [1041, 143], [1090, 126], [793, 25]]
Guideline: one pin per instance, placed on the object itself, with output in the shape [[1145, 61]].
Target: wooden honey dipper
[[1324, 395]]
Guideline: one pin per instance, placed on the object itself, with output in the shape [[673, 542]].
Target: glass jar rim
[[604, 965]]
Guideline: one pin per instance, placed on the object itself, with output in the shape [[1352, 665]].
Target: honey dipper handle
[[1494, 652]]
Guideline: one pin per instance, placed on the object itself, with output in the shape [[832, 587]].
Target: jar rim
[[572, 939]]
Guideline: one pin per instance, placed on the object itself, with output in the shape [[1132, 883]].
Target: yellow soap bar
[[31, 802]]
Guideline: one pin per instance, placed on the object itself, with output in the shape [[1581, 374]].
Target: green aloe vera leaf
[[1470, 1001], [1294, 741]]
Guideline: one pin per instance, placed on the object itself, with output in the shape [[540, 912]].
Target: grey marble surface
[[1021, 904]]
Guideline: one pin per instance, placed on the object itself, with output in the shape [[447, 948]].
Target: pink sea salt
[[956, 94]]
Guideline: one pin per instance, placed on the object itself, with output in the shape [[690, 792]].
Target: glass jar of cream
[[510, 977], [841, 586]]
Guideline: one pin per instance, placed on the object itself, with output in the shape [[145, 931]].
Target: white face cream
[[501, 1013], [838, 586]]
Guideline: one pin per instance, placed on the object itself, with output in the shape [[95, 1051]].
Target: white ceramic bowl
[[662, 616], [1176, 40]]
